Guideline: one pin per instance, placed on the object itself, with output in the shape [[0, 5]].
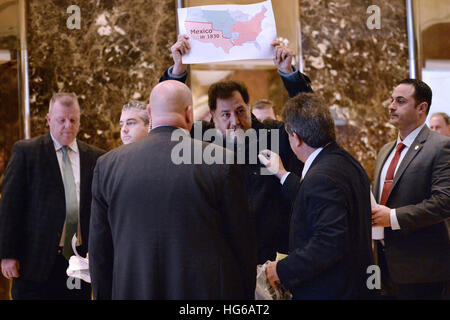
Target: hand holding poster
[[228, 32]]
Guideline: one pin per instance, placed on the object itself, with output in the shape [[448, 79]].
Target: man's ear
[[212, 117], [48, 118], [298, 141], [149, 111], [189, 114], [423, 106]]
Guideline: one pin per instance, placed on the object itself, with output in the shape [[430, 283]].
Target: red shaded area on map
[[204, 32], [248, 30]]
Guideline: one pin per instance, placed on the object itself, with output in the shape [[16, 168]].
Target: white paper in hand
[[228, 32], [377, 232], [78, 266]]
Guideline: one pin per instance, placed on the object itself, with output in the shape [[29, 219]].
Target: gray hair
[[67, 99], [140, 106], [310, 119]]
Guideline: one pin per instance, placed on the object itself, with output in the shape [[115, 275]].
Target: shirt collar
[[72, 146], [184, 130], [411, 137], [310, 160]]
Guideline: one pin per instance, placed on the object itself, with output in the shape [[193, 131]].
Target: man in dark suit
[[46, 199], [412, 185], [231, 116], [330, 244], [165, 226]]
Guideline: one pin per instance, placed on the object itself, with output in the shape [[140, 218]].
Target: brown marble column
[[354, 68], [118, 54]]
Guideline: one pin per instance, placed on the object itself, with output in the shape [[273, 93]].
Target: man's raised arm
[[179, 70], [294, 81]]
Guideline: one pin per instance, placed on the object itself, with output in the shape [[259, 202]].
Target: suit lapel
[[413, 150], [55, 177], [54, 165], [84, 170], [379, 166]]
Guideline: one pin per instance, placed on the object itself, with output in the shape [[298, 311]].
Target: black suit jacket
[[162, 230], [330, 238], [293, 87], [420, 251], [33, 209], [270, 210]]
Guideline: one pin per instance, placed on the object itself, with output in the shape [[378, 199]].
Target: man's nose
[[234, 120], [68, 124], [125, 128]]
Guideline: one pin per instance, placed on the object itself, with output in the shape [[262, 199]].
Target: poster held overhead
[[228, 32]]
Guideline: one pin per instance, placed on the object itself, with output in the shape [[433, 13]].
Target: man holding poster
[[229, 107], [228, 32]]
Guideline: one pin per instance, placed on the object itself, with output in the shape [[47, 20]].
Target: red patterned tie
[[390, 174]]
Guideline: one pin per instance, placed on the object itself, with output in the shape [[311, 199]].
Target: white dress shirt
[[74, 156], [306, 167], [407, 142]]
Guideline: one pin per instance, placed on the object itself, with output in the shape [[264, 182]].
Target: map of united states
[[224, 28]]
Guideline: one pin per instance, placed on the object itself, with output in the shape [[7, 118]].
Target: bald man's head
[[171, 104]]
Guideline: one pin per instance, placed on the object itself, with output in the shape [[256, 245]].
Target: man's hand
[[271, 274], [381, 216], [273, 163], [282, 57], [10, 268], [182, 46]]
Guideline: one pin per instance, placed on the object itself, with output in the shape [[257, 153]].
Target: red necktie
[[390, 174]]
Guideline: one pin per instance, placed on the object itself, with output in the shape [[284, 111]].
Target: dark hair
[[224, 90], [422, 92], [307, 116], [443, 115]]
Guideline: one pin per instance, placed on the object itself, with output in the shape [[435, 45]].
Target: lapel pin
[[416, 148]]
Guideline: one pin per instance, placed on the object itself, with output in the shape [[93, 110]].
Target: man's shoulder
[[273, 124], [437, 139], [118, 152], [84, 147], [32, 142], [338, 165], [388, 146]]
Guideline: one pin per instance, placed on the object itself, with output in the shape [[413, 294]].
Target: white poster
[[228, 32], [439, 81]]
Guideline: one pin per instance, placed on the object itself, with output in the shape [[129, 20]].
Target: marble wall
[[118, 54], [354, 68], [123, 47]]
